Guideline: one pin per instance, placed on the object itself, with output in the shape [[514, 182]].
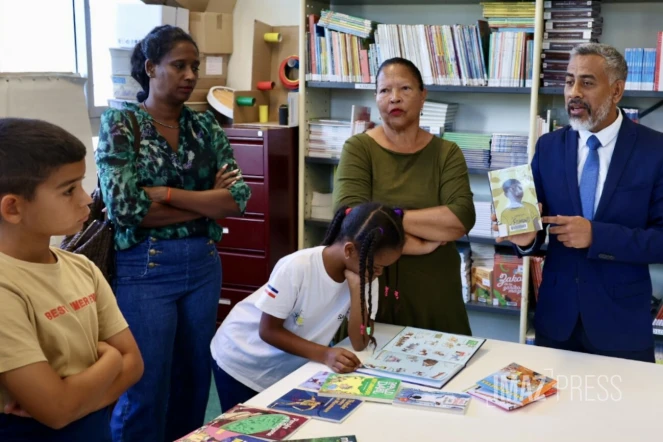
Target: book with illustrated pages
[[353, 386], [328, 439], [243, 423], [315, 382], [422, 357], [514, 200], [516, 384], [308, 403], [478, 392], [449, 402]]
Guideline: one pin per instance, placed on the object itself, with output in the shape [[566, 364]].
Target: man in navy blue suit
[[600, 184]]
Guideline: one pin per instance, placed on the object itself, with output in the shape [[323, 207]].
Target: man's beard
[[593, 118]]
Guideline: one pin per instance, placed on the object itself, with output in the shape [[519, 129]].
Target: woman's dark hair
[[402, 62], [373, 227], [160, 41]]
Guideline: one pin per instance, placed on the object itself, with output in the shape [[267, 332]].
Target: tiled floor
[[213, 406]]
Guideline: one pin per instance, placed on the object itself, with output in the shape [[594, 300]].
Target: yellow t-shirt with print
[[55, 313], [521, 219]]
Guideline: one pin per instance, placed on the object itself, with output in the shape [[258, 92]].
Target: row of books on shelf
[[496, 52], [644, 67], [456, 55]]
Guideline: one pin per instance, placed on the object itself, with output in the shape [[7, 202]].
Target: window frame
[[83, 34]]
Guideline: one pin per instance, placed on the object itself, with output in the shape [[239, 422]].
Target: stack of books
[[568, 23], [475, 147]]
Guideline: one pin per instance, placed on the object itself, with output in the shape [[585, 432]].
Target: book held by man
[[514, 200], [422, 357]]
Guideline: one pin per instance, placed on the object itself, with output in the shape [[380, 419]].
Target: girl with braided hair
[[293, 318]]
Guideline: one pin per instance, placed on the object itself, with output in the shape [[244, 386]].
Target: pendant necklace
[[158, 122]]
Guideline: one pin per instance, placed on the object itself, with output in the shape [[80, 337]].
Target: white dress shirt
[[608, 139]]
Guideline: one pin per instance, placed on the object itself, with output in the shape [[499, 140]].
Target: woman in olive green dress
[[401, 165]]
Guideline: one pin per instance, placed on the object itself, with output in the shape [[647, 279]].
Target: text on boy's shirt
[[75, 305]]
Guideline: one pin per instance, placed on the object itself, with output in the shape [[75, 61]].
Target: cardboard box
[[136, 20], [213, 32], [214, 66], [209, 83], [210, 22]]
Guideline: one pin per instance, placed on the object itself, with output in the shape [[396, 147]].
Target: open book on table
[[422, 357]]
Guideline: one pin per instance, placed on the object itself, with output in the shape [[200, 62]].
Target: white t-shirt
[[301, 292]]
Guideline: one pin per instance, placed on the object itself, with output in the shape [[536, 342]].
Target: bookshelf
[[481, 108]]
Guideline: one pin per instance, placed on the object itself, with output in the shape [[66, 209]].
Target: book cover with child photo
[[514, 200]]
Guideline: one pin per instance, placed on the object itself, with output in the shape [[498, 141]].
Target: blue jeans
[[168, 290], [231, 391], [94, 426]]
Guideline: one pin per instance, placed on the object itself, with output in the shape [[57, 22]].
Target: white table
[[599, 399]]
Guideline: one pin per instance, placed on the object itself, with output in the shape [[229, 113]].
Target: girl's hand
[[341, 360], [225, 180], [12, 407], [353, 278], [157, 194]]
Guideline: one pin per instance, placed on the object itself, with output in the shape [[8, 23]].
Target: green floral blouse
[[203, 150]]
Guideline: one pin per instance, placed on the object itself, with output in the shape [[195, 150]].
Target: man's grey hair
[[614, 60]]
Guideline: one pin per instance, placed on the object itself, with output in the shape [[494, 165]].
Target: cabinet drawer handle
[[224, 301]]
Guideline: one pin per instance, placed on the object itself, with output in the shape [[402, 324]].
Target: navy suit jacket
[[608, 284]]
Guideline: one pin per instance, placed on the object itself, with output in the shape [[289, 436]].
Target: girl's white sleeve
[[279, 295]]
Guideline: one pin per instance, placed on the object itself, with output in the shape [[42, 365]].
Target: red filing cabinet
[[253, 244]]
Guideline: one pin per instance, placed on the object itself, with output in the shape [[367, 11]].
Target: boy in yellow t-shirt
[[518, 216], [66, 352]]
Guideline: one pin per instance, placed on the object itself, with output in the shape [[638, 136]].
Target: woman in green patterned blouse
[[163, 201], [400, 165]]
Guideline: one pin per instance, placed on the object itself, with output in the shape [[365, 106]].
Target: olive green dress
[[429, 286]]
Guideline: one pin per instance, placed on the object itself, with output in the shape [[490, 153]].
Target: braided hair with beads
[[372, 227]]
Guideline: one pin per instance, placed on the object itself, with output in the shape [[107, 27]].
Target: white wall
[[271, 12]]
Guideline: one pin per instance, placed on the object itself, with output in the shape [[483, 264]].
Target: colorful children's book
[[516, 384], [353, 386], [308, 403], [479, 393], [328, 439], [422, 357], [242, 421], [515, 201], [210, 433], [433, 400], [315, 381]]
